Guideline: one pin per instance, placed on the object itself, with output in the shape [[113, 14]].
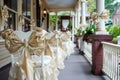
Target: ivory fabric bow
[[34, 45], [95, 16], [65, 36]]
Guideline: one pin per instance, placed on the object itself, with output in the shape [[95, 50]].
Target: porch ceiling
[[60, 5]]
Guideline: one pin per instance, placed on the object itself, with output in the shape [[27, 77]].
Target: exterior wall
[[116, 17], [19, 12], [4, 54]]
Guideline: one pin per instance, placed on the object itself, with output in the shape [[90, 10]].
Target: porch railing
[[88, 51], [86, 48], [111, 60]]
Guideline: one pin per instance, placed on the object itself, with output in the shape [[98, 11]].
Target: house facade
[[116, 16]]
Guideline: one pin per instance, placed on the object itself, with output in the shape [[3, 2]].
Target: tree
[[91, 5], [109, 4], [52, 20]]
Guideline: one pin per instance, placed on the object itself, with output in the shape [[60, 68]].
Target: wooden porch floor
[[76, 68]]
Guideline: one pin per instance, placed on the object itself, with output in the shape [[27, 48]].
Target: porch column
[[56, 23], [100, 5], [83, 12], [73, 25], [19, 8], [97, 38], [1, 26], [79, 13], [75, 20]]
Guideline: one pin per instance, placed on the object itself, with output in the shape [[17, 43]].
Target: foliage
[[91, 5], [79, 32], [115, 31], [108, 5], [115, 39], [108, 28], [89, 30], [52, 20]]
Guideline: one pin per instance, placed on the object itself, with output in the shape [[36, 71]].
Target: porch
[[96, 60]]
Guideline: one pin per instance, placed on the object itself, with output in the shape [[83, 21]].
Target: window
[[26, 11], [11, 23], [38, 13], [116, 21], [11, 4]]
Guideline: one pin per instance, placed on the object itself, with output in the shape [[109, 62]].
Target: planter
[[87, 38], [77, 37]]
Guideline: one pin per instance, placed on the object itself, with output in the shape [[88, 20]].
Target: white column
[[79, 13], [75, 20], [83, 13], [100, 5], [56, 23], [73, 25]]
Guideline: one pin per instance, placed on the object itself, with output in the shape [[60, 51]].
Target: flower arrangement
[[88, 31]]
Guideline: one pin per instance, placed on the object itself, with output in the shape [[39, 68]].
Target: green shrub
[[115, 31], [108, 28], [115, 39]]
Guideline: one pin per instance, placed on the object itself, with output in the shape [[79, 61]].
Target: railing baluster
[[111, 54]]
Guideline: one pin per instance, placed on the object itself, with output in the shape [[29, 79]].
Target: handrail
[[111, 60], [26, 18], [12, 10], [115, 45]]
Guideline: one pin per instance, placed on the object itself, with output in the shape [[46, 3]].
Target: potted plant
[[79, 31], [88, 31], [115, 32]]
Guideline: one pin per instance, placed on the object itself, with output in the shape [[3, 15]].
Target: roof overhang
[[60, 5]]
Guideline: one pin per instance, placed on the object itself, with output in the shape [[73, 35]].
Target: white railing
[[86, 48], [4, 54], [88, 51], [111, 60]]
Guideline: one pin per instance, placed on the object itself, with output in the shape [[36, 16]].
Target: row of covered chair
[[37, 54]]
